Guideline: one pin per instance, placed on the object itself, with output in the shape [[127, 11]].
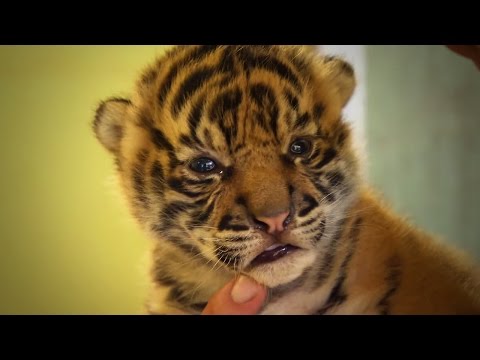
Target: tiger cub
[[236, 160]]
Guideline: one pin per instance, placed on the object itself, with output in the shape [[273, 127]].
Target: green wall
[[423, 133], [67, 244]]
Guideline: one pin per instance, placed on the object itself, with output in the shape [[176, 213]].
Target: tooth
[[274, 246]]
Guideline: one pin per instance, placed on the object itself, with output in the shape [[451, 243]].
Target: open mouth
[[272, 253]]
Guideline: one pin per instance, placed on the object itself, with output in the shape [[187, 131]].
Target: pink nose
[[275, 223]]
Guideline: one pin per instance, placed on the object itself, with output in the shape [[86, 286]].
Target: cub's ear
[[342, 76], [109, 122]]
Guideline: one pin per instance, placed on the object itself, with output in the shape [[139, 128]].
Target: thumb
[[241, 296]]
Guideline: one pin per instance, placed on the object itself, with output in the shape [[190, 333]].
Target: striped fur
[[243, 107]]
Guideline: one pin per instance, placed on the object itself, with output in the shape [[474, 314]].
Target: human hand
[[471, 52], [241, 296]]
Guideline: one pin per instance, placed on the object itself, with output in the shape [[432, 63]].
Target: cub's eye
[[300, 147], [203, 165]]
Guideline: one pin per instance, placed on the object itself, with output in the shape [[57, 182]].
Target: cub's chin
[[273, 269]]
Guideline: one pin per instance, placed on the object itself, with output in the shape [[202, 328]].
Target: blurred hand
[[241, 296], [471, 52]]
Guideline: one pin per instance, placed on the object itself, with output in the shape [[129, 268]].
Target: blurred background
[[67, 242]]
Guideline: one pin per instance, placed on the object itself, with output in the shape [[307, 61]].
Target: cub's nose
[[275, 224]]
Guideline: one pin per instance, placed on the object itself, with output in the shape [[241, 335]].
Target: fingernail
[[244, 290]]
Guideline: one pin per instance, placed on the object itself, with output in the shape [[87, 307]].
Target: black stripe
[[161, 277], [160, 141], [138, 178], [393, 282], [194, 56], [178, 185], [228, 133], [181, 296], [228, 101], [327, 194], [227, 173], [319, 231], [149, 76], [311, 158], [239, 147], [188, 248], [292, 100], [226, 67], [277, 292], [200, 217], [188, 140], [291, 189], [328, 156], [312, 204], [287, 160], [318, 111], [177, 294], [237, 239], [266, 143], [302, 121], [274, 115], [168, 216], [263, 95], [308, 222], [158, 179], [167, 222], [315, 154], [145, 120], [190, 85], [202, 202], [260, 119], [198, 182], [226, 80], [198, 307], [195, 116], [301, 65], [208, 138], [226, 225], [342, 136], [173, 161], [270, 63], [335, 178], [174, 208], [227, 62], [326, 268], [240, 200], [338, 294], [318, 227]]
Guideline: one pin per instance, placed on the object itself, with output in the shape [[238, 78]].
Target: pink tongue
[[275, 253]]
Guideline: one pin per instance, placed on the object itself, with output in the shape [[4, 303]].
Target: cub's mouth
[[273, 253]]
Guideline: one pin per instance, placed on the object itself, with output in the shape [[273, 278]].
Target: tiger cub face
[[237, 155]]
